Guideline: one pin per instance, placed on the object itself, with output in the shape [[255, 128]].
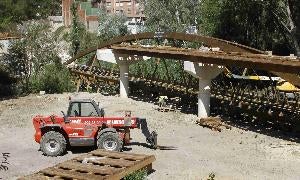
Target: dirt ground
[[191, 152]]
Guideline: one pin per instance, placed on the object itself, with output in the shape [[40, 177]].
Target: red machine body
[[86, 125], [81, 127]]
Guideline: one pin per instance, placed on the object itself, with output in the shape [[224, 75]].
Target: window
[[82, 109], [74, 110], [119, 4], [87, 109]]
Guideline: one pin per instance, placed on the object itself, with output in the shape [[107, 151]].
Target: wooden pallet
[[98, 164]]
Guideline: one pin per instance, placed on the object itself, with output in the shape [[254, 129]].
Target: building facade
[[88, 12], [130, 8]]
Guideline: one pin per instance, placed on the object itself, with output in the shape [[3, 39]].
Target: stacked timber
[[214, 123]]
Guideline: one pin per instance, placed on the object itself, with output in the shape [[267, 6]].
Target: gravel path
[[191, 152]]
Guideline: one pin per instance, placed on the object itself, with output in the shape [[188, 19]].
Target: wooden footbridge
[[206, 50]]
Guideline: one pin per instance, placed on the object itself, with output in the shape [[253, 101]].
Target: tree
[[210, 13], [171, 15], [266, 25], [14, 12], [34, 60], [77, 30], [111, 25], [287, 16]]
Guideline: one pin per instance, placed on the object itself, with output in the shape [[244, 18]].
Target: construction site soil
[[188, 151]]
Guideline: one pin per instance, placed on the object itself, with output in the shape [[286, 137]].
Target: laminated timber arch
[[226, 46], [232, 54]]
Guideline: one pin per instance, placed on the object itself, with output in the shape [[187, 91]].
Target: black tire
[[53, 144], [110, 141]]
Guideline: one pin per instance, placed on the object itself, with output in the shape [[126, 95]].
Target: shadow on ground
[[285, 126], [150, 147]]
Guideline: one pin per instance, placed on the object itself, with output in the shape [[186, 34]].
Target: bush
[[53, 79], [137, 175]]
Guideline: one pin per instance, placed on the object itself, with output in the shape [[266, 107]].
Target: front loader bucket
[[151, 138], [154, 139]]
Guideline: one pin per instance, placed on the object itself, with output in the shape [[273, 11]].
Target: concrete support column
[[123, 60], [124, 81], [205, 73], [204, 98]]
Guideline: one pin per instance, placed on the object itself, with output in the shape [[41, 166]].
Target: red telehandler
[[85, 125]]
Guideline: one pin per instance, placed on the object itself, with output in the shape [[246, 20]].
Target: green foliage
[[210, 16], [79, 37], [77, 31], [14, 12], [137, 175], [34, 60], [16, 60], [54, 78], [33, 51], [163, 69], [111, 25], [265, 25], [172, 15]]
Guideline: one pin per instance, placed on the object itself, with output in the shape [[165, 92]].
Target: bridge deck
[[256, 61]]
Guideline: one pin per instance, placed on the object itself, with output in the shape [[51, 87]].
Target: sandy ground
[[193, 152]]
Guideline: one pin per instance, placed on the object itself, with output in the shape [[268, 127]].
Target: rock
[[42, 92]]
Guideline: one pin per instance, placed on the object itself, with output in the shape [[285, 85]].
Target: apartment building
[[88, 12], [130, 8]]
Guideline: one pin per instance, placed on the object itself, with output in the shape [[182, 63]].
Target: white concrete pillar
[[205, 73], [204, 98], [124, 81], [123, 60]]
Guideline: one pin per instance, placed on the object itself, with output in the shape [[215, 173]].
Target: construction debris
[[214, 123]]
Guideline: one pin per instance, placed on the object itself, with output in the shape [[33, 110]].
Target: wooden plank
[[35, 177], [88, 167], [52, 171], [115, 162], [134, 168], [127, 156]]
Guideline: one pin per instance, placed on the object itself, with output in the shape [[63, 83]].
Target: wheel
[[110, 141], [53, 143]]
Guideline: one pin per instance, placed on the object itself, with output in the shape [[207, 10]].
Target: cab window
[[74, 110], [87, 109]]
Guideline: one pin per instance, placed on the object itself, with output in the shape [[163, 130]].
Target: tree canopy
[[13, 12], [171, 15], [264, 24]]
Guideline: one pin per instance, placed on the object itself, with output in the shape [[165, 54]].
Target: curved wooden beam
[[224, 45]]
